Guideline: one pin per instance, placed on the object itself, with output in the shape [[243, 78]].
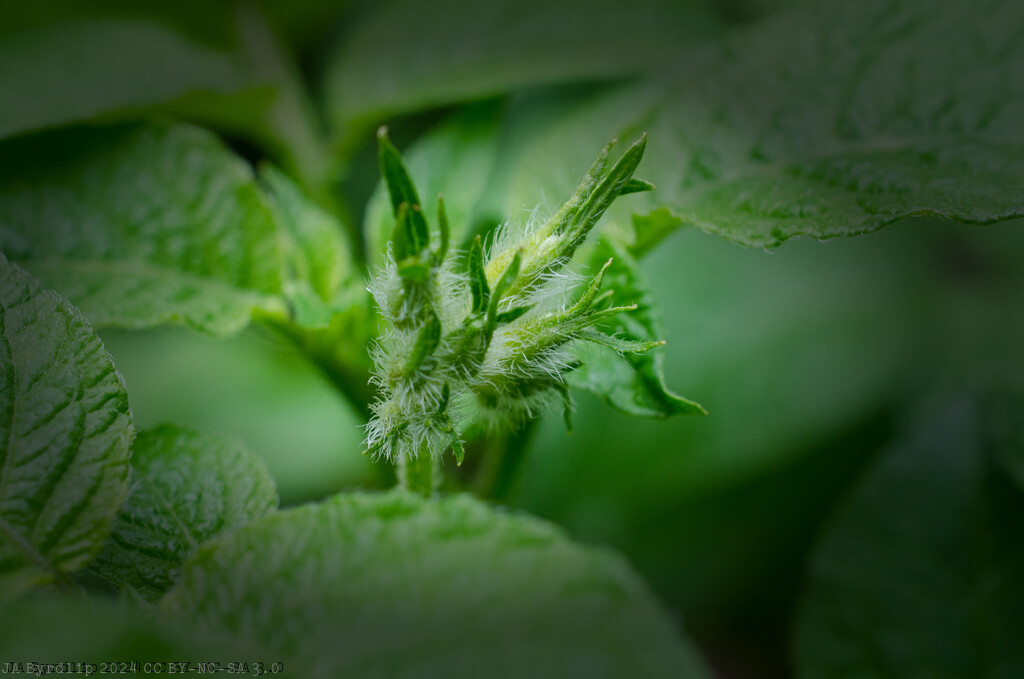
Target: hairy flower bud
[[474, 338]]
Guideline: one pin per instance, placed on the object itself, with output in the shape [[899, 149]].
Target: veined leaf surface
[[65, 433], [395, 585]]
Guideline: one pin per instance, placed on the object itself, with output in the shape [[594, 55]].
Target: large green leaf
[[395, 585], [403, 56], [919, 573], [65, 432], [824, 122], [187, 487], [144, 225]]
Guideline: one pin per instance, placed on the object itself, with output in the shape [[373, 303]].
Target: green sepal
[[477, 277], [503, 284], [636, 186], [402, 191], [400, 235], [414, 269], [512, 314], [557, 241], [457, 448], [394, 434], [426, 343], [588, 298], [446, 396], [590, 202], [445, 231], [447, 426], [622, 346]]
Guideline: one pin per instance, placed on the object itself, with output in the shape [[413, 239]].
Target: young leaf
[[144, 225], [919, 573], [187, 488], [628, 372], [65, 432], [321, 276], [824, 122], [394, 585]]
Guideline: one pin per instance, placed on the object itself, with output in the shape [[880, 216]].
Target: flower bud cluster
[[487, 334]]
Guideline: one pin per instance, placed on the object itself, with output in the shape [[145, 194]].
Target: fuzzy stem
[[420, 474]]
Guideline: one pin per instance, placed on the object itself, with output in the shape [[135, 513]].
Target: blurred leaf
[[792, 353], [632, 382], [116, 62], [405, 56], [395, 585], [322, 274], [66, 431], [919, 573], [829, 122], [187, 487], [264, 391], [66, 72]]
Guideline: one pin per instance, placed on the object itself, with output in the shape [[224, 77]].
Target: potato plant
[[281, 398]]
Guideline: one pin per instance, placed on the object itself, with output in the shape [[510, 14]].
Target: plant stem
[[500, 468], [420, 474]]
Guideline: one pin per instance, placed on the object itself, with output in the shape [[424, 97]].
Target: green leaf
[[395, 585], [405, 56], [919, 573], [67, 72], [322, 278], [623, 373], [187, 488], [824, 122], [65, 430], [144, 225]]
